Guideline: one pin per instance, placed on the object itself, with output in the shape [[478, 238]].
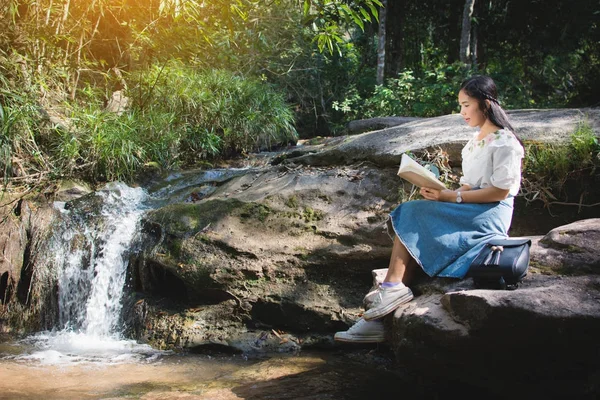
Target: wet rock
[[70, 190], [25, 296], [13, 240]]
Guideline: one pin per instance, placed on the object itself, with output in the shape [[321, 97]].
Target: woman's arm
[[488, 195]]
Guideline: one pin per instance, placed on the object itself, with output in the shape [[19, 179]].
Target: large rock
[[13, 240], [375, 124], [292, 249], [546, 329], [25, 291], [572, 249], [280, 258], [385, 147]]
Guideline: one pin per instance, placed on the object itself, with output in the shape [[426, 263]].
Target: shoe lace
[[374, 291], [375, 295]]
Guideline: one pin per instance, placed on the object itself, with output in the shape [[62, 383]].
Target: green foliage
[[240, 64], [311, 215], [554, 56], [329, 17], [256, 211], [585, 146], [292, 202], [19, 150], [216, 110], [549, 167], [179, 117], [102, 146], [431, 95]]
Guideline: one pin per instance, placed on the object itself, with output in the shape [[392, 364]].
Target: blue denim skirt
[[444, 238]]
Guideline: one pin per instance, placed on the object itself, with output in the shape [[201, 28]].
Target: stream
[[345, 374], [86, 356]]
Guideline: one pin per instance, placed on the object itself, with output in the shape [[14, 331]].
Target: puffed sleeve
[[506, 164]]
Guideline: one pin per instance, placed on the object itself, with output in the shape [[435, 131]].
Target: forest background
[[104, 89]]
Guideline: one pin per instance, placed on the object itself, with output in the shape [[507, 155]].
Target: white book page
[[417, 174]]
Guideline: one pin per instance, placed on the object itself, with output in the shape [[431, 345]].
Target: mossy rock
[[311, 215], [255, 211], [186, 219]]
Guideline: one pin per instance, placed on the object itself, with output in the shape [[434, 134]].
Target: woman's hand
[[488, 195], [437, 195]]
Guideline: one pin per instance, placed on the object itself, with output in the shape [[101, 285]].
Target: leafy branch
[[329, 18]]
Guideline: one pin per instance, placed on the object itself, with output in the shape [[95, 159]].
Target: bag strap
[[509, 242]]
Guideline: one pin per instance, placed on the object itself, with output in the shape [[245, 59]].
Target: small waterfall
[[91, 252], [92, 260]]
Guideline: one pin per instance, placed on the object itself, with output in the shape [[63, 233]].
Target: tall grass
[[217, 109], [556, 163], [178, 118], [20, 154], [551, 168]]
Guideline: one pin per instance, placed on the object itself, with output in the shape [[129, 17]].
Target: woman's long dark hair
[[483, 88]]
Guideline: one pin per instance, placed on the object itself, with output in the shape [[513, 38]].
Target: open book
[[417, 174]]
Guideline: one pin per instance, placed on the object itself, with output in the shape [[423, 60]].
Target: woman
[[443, 233]]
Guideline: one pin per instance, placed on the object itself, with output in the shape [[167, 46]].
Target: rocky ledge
[[279, 257], [541, 337]]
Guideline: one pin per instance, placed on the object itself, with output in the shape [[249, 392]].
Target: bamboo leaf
[[346, 9], [365, 14], [374, 11], [306, 8], [358, 21]]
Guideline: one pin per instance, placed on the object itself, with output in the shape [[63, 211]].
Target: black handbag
[[501, 264]]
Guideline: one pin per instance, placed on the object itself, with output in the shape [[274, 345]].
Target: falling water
[[91, 250], [92, 276]]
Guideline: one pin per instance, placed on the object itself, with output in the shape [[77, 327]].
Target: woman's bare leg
[[402, 266], [389, 297]]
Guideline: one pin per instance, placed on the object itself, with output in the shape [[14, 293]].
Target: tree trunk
[[465, 36], [482, 10], [381, 44], [394, 54], [474, 46]]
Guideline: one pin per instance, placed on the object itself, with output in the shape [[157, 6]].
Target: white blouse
[[493, 161]]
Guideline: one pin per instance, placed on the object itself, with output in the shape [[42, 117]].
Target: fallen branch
[[27, 177], [17, 198]]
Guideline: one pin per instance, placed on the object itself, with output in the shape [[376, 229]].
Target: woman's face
[[470, 111]]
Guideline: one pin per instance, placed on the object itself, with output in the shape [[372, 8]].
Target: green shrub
[[106, 146], [19, 119], [548, 167], [216, 110], [431, 94], [179, 117]]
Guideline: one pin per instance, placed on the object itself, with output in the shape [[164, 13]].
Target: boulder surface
[[278, 257]]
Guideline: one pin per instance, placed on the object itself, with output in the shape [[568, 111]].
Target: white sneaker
[[362, 332], [371, 299], [386, 300]]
